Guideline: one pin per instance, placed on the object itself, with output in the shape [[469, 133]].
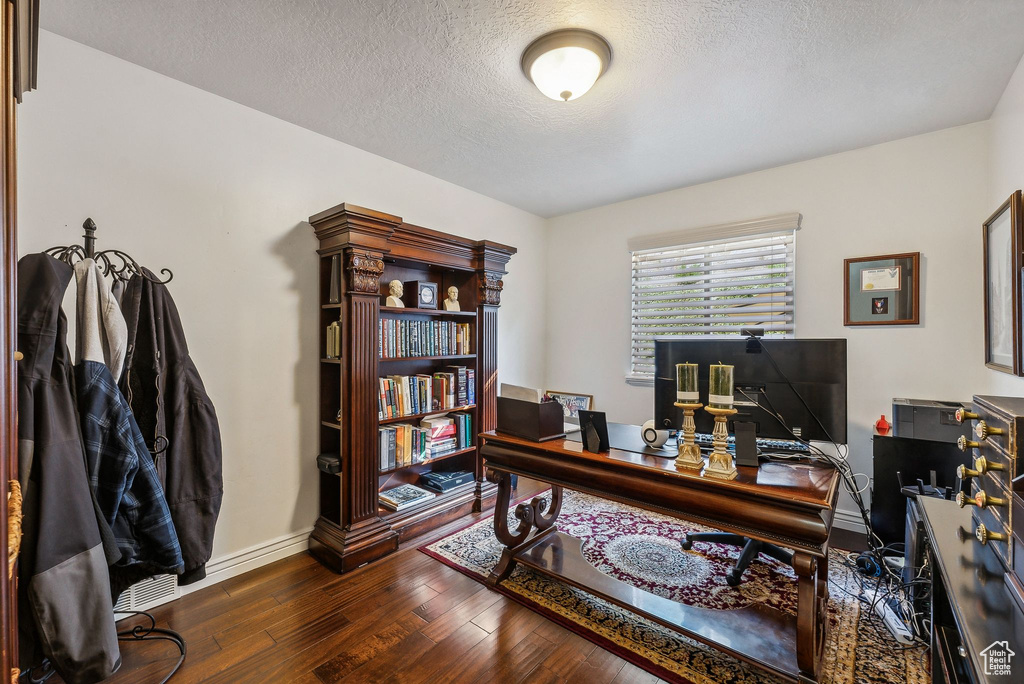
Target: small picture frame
[[1002, 238], [882, 290], [594, 431], [572, 403]]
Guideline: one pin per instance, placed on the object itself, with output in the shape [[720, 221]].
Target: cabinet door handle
[[18, 356], [13, 525]]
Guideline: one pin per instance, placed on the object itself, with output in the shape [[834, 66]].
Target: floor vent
[[149, 593]]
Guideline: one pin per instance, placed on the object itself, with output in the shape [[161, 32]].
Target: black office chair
[[751, 547]]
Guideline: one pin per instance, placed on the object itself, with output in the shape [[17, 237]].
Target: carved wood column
[[491, 259]]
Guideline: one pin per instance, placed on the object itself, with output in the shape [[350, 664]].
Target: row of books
[[409, 395], [400, 338], [405, 444]]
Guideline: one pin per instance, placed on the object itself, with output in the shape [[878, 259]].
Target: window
[[711, 281]]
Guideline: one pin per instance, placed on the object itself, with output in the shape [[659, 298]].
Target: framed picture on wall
[[882, 290], [1002, 238]]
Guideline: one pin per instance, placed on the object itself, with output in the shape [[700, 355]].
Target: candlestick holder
[[689, 452], [720, 464]]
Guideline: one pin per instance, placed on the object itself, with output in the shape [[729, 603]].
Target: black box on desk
[[530, 420]]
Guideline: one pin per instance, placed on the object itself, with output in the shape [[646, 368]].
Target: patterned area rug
[[642, 549]]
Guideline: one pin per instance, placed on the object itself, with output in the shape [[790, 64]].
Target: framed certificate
[[882, 290], [1002, 238]]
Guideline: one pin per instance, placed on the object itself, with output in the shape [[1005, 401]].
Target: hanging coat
[[64, 603], [177, 418], [121, 470]]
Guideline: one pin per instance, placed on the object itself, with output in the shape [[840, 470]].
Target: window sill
[[640, 380]]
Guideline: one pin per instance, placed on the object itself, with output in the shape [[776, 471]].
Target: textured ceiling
[[697, 89]]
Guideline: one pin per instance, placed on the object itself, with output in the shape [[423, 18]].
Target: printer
[[928, 419]]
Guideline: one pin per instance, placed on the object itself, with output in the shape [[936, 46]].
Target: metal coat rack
[[119, 266], [112, 262]]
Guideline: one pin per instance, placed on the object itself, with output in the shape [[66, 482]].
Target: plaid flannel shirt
[[124, 476]]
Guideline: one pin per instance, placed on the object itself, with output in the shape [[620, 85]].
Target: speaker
[[652, 436]]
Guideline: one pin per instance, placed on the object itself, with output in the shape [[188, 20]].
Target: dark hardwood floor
[[406, 618]]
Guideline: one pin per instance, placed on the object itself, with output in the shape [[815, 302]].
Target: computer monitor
[[816, 369]]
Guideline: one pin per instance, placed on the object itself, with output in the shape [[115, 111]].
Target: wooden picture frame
[[887, 290], [572, 402], [1002, 239]]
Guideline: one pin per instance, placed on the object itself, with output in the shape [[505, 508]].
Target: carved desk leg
[[530, 516], [812, 593]]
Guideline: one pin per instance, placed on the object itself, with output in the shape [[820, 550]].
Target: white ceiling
[[697, 89]]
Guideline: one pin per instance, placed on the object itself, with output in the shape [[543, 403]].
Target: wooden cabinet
[[361, 251]]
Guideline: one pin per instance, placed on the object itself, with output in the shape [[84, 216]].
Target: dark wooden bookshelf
[[376, 248]]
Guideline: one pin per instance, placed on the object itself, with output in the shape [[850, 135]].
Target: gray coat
[[64, 602]]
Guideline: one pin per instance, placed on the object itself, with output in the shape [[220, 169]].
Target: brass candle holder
[[689, 452], [720, 464]]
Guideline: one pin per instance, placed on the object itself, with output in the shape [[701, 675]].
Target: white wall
[[1006, 174], [925, 193], [219, 193]]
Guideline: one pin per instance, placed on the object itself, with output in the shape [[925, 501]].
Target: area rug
[[642, 549]]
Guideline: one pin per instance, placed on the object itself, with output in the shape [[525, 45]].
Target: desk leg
[[812, 590], [530, 516]]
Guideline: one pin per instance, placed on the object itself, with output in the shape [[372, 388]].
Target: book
[[403, 496]]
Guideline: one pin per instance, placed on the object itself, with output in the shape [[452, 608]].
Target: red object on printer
[[882, 426]]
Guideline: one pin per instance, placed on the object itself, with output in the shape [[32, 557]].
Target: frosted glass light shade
[[565, 64]]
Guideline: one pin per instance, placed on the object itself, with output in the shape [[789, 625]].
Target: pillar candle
[[686, 383], [720, 389]]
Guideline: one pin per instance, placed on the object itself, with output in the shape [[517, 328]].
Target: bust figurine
[[395, 293], [452, 303]]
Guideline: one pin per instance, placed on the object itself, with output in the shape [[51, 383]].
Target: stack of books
[[454, 387], [399, 338], [403, 496], [447, 433]]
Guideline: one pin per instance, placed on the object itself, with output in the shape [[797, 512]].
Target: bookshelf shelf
[[427, 312], [360, 252], [428, 358], [417, 416], [442, 457]]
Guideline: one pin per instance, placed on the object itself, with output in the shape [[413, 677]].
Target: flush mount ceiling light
[[565, 64]]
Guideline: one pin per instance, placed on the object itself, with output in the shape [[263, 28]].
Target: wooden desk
[[787, 504]]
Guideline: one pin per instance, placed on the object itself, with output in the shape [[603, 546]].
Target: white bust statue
[[395, 293], [452, 303]]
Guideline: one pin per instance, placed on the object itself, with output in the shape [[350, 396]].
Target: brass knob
[[963, 472], [964, 500], [982, 464], [18, 356], [966, 444], [963, 414], [984, 536], [983, 430], [983, 500]]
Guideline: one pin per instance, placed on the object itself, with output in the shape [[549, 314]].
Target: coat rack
[[121, 267], [112, 262]]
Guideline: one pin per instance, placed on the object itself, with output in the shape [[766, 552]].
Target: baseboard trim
[[850, 520], [226, 567]]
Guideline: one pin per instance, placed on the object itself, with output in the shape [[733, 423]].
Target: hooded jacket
[[176, 416], [65, 609], [122, 473]]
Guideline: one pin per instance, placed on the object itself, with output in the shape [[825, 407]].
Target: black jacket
[[176, 417], [64, 602]]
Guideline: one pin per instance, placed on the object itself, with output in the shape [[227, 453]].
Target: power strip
[[893, 623]]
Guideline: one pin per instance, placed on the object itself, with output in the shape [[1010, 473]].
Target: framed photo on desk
[[1002, 238], [882, 290]]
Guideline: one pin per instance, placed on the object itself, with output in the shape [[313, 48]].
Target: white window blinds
[[709, 287]]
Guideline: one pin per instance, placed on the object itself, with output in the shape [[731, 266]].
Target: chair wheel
[[733, 579], [686, 544]]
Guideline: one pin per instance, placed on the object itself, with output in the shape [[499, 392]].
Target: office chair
[[751, 548]]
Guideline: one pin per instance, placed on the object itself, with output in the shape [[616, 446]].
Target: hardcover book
[[403, 496]]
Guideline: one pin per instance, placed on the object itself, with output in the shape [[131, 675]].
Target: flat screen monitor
[[816, 369]]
